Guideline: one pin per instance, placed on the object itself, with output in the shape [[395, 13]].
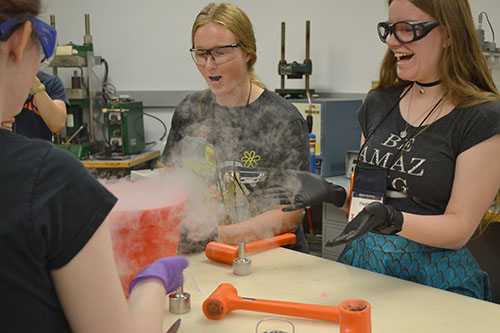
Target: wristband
[[36, 90]]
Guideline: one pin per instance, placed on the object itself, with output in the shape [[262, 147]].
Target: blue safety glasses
[[46, 35]]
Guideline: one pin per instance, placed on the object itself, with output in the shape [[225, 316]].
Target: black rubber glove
[[314, 189], [375, 217]]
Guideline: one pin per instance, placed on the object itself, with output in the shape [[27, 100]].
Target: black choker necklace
[[422, 85]]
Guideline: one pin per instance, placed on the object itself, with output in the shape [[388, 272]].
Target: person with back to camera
[[430, 142], [237, 134], [58, 272], [44, 111]]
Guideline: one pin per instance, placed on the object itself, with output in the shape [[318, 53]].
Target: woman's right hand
[[313, 189]]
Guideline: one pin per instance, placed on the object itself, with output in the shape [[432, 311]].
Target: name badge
[[369, 185]]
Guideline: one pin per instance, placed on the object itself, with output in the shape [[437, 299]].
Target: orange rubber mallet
[[226, 253], [353, 315]]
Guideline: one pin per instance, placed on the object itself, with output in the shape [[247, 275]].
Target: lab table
[[125, 162], [121, 166], [281, 274]]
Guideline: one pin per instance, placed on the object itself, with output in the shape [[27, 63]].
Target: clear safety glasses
[[404, 31], [46, 35], [219, 55]]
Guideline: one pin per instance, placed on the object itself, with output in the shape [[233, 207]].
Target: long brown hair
[[234, 19], [16, 9], [464, 72]]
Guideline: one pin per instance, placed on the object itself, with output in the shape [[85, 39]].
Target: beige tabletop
[[285, 275]]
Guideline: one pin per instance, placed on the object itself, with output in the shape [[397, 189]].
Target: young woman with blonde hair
[[237, 134]]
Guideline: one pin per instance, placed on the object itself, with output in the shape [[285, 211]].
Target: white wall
[[146, 42]]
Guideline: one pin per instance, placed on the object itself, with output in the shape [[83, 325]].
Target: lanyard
[[414, 134], [383, 118]]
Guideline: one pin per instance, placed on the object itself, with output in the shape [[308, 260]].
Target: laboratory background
[[126, 65], [146, 45]]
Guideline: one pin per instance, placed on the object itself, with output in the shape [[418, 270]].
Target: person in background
[[237, 135], [58, 272], [44, 111], [429, 153], [491, 216]]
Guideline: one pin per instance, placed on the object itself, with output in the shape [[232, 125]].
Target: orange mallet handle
[[226, 253], [270, 243], [354, 316], [312, 311]]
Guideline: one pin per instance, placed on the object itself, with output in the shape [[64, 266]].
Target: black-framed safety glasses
[[405, 31], [219, 54]]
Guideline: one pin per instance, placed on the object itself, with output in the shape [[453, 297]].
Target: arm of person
[[476, 181], [91, 295], [52, 111], [271, 223]]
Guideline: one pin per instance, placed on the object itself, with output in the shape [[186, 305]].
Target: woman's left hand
[[7, 124], [375, 217]]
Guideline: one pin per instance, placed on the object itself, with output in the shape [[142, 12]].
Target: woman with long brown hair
[[428, 167]]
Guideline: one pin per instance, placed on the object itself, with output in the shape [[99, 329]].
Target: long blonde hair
[[464, 72], [236, 21]]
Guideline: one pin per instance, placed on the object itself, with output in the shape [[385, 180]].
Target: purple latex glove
[[167, 269]]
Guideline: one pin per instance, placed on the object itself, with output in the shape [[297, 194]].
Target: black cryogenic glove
[[375, 217], [314, 189]]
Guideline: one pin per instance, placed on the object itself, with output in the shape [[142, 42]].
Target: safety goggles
[[46, 35], [404, 31], [219, 55]]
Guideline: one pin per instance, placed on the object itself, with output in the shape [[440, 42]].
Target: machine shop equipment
[[103, 130], [487, 46], [332, 123], [295, 70], [490, 50], [125, 126], [337, 131], [84, 94]]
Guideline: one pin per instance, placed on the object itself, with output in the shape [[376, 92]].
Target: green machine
[[83, 97], [125, 124]]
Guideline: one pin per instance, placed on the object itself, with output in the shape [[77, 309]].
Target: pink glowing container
[[141, 236]]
